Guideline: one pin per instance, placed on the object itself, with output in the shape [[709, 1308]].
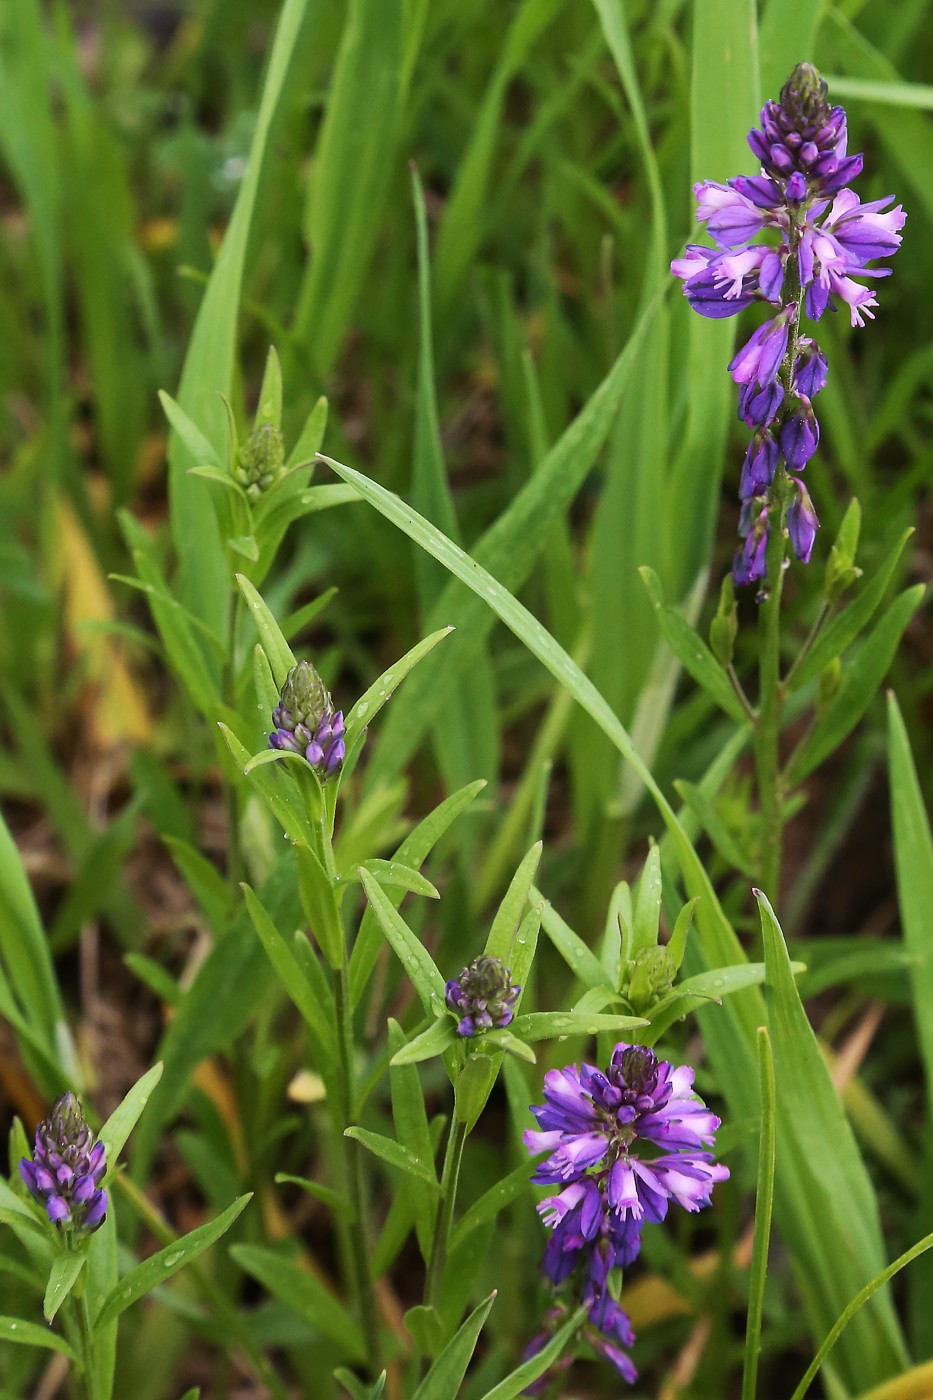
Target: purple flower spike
[[67, 1169], [483, 997], [307, 723], [802, 521], [828, 241], [622, 1143]]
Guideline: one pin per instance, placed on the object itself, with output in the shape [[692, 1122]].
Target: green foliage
[[536, 432]]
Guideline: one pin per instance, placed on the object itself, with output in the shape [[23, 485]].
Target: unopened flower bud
[[67, 1168], [307, 723], [483, 996]]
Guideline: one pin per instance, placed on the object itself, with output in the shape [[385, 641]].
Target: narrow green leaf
[[320, 905], [360, 133], [396, 1154], [410, 1121], [126, 1115], [310, 438], [411, 952], [30, 1334], [764, 1201], [161, 1266], [857, 1302], [839, 634], [281, 657], [509, 914], [292, 978], [198, 447], [581, 960], [913, 859], [208, 369], [303, 1293], [325, 1194], [547, 1025], [494, 1200], [62, 1279], [356, 1388], [646, 916], [840, 1246], [369, 705], [443, 1379], [429, 1044], [692, 652], [861, 680], [392, 875], [529, 1371]]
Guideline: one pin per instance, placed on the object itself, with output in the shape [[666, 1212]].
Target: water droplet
[[173, 1259], [13, 1326], [361, 711]]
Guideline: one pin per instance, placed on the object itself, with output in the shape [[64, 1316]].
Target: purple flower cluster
[[67, 1168], [483, 997], [623, 1144], [828, 237], [307, 723]]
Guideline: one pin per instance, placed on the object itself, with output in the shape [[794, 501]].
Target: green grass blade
[[764, 1201], [353, 165], [208, 369], [819, 1159]]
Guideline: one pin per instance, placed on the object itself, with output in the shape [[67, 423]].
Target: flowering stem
[[361, 1280], [80, 1332], [445, 1211], [770, 708]]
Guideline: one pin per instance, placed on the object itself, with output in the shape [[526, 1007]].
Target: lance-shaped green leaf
[[393, 875], [819, 1157], [356, 1388], [646, 916], [410, 1120], [509, 914], [320, 905], [861, 680], [704, 988], [303, 1293], [429, 1044], [411, 952], [691, 651], [443, 1379], [126, 1115], [547, 1025], [529, 1371], [281, 657], [62, 1279], [581, 960], [327, 1196], [839, 633], [396, 1154], [292, 977], [913, 858], [277, 788], [30, 1334], [412, 852], [160, 1267], [513, 1045], [516, 1184], [369, 705]]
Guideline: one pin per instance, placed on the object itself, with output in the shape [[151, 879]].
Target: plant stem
[[445, 1211], [771, 710], [361, 1280], [234, 855], [82, 1376]]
